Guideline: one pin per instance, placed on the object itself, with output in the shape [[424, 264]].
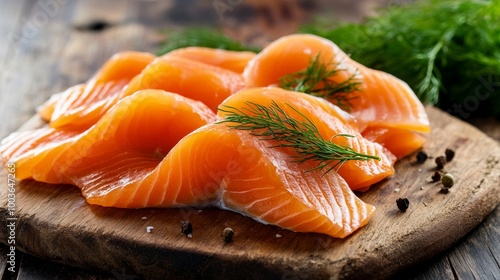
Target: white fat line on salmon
[[222, 206]]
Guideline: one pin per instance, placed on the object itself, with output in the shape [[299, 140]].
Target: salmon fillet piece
[[231, 60], [381, 100], [48, 154], [330, 121], [199, 81], [75, 105]]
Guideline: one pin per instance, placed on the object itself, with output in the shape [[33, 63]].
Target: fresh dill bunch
[[272, 123], [316, 80], [448, 51], [201, 37]]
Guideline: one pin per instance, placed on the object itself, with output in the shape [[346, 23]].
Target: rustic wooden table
[[49, 45]]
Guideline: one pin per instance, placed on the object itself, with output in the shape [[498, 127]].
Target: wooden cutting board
[[54, 222]]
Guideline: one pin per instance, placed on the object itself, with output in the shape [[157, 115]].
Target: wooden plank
[[114, 239], [11, 22], [10, 25], [4, 272], [31, 65], [33, 268], [478, 257], [435, 268]]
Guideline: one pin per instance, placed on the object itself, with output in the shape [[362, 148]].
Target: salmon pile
[[149, 131]]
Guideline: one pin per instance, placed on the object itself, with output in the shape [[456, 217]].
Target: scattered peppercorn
[[436, 176], [403, 204], [228, 234], [421, 157], [450, 154], [186, 228], [448, 180], [440, 162]]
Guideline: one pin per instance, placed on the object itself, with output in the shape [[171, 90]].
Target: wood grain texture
[[55, 222], [32, 268], [476, 256], [59, 54]]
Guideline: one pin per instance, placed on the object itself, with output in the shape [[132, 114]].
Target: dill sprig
[[272, 123], [201, 37], [316, 80]]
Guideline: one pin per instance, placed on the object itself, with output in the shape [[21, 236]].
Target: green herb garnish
[[448, 51], [201, 37], [272, 123], [316, 80]]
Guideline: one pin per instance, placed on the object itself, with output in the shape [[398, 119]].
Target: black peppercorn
[[440, 162], [421, 157], [228, 234], [436, 176], [186, 228], [402, 204], [450, 154]]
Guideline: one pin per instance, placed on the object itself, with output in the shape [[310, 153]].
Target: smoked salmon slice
[[231, 60], [330, 121], [46, 110], [401, 142], [199, 81], [21, 142], [91, 99], [142, 153], [381, 100], [265, 185], [47, 154], [206, 83]]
